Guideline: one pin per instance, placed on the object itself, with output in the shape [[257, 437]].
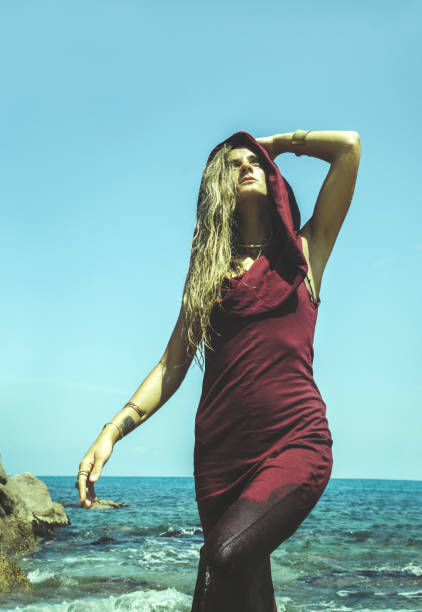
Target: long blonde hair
[[213, 248]]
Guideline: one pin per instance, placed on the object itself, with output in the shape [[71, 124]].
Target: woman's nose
[[245, 167]]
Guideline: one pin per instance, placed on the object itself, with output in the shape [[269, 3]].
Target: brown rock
[[3, 475], [106, 504], [12, 578], [17, 536], [27, 511], [34, 503]]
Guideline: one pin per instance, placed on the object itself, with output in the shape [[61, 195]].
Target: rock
[[27, 511], [106, 504], [36, 505], [12, 577], [103, 540], [17, 537], [3, 475]]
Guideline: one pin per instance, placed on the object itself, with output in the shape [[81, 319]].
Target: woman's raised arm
[[342, 150], [153, 392]]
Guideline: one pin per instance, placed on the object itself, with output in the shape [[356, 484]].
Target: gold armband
[[136, 408], [118, 428], [298, 138]]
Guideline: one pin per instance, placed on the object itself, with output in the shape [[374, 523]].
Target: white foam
[[181, 532], [411, 568], [331, 606], [411, 594], [282, 603], [38, 575], [168, 600], [159, 553]]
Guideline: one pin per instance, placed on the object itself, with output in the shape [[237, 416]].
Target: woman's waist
[[259, 388], [222, 422], [216, 453], [259, 352]]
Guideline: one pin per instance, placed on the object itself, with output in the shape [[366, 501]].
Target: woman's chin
[[251, 196]]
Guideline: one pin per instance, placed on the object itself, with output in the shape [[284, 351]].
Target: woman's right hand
[[92, 464]]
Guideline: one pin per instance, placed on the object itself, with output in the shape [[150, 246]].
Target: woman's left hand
[[268, 143]]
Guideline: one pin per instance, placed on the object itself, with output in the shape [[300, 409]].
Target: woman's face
[[248, 173]]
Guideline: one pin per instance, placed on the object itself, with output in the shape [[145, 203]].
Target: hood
[[281, 273]]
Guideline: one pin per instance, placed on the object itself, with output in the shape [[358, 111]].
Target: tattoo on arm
[[127, 426], [136, 408]]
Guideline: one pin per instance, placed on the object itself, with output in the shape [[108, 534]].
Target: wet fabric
[[242, 530]]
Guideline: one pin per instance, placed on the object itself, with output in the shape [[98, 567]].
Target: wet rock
[[36, 505], [12, 578], [103, 540], [27, 511], [106, 504], [16, 536], [3, 475]]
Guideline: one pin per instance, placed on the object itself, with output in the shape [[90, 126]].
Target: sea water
[[359, 549]]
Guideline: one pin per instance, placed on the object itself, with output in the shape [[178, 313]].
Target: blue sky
[[107, 114]]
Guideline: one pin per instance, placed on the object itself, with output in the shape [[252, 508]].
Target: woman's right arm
[[153, 392]]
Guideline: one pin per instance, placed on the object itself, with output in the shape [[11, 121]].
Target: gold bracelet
[[118, 427], [299, 136], [136, 408]]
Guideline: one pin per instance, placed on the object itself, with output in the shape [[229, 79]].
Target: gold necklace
[[259, 245]]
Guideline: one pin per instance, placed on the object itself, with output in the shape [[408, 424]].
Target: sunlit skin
[[252, 196]]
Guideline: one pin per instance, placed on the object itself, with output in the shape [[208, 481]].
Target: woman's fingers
[[91, 491], [90, 469], [83, 474], [87, 494], [96, 470], [87, 475], [82, 478]]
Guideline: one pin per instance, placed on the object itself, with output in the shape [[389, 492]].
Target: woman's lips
[[247, 179]]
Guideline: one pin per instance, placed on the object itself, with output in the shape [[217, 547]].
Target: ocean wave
[[410, 568], [416, 570], [358, 536], [50, 578], [331, 606], [39, 575], [411, 594], [180, 532], [168, 531], [168, 600], [154, 554], [283, 604]]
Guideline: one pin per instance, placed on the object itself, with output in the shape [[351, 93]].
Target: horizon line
[[192, 477]]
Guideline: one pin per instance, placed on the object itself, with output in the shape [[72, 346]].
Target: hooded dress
[[259, 396]]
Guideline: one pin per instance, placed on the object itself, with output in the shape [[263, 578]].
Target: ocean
[[359, 549]]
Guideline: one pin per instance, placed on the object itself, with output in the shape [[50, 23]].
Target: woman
[[262, 443]]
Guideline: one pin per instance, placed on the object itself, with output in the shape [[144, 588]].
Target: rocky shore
[[26, 513]]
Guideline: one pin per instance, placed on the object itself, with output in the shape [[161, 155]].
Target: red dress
[[259, 397]]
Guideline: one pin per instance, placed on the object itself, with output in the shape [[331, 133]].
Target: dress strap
[[312, 294]]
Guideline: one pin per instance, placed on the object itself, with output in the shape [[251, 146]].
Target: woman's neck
[[254, 226]]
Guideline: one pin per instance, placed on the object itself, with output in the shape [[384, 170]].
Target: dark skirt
[[243, 527]]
